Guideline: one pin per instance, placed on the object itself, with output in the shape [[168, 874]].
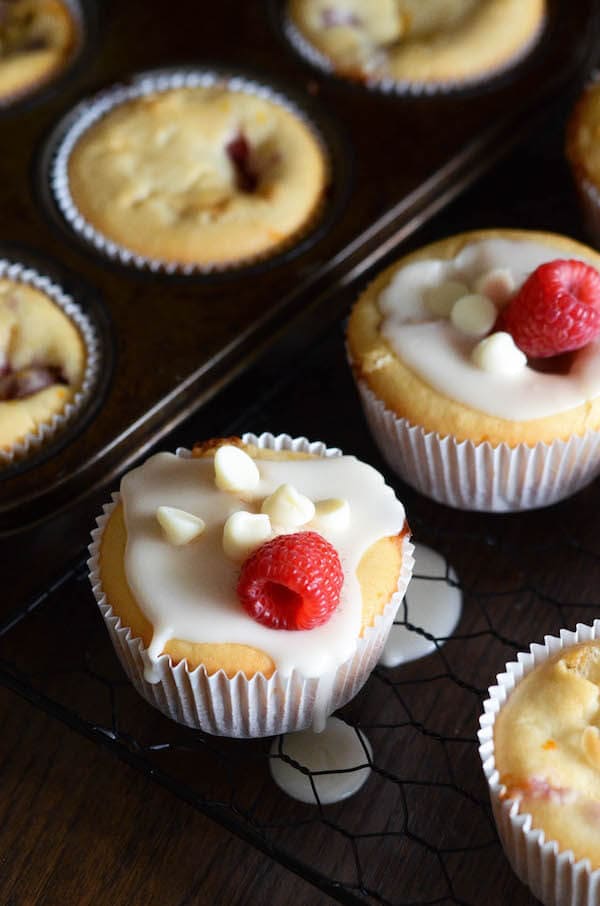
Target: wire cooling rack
[[420, 830]]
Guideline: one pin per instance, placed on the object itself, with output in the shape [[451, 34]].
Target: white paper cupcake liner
[[471, 476], [553, 876], [388, 85], [240, 707], [29, 444], [90, 111]]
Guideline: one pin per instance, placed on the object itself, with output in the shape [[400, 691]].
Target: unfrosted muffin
[[583, 153], [445, 384], [227, 670], [539, 746], [547, 749], [37, 40], [42, 361], [428, 43], [204, 176]]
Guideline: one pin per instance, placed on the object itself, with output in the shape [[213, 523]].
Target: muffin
[[42, 364], [431, 44], [540, 745], [176, 603], [583, 154], [457, 406], [37, 40], [200, 176]]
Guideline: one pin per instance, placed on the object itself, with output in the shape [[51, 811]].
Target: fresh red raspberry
[[556, 310], [292, 582]]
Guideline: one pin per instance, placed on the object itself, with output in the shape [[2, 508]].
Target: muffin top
[[198, 175], [583, 147], [237, 501], [42, 360], [438, 337], [547, 748], [419, 41], [37, 37]]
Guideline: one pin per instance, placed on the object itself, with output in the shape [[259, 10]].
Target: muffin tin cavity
[[262, 187]]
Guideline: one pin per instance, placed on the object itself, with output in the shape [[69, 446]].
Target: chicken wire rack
[[420, 830]]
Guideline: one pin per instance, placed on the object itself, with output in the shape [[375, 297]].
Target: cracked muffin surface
[[198, 175], [430, 42]]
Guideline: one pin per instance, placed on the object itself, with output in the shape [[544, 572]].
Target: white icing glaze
[[432, 605], [190, 592], [337, 748], [441, 354]]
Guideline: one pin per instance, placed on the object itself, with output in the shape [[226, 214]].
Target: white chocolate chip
[[474, 314], [235, 470], [244, 532], [440, 299], [498, 354], [179, 527], [332, 514], [590, 741], [287, 507], [497, 284]]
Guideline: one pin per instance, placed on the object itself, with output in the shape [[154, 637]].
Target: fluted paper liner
[[553, 876], [472, 476], [91, 111], [404, 87], [45, 431], [241, 707]]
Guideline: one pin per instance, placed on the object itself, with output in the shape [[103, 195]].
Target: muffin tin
[[171, 341]]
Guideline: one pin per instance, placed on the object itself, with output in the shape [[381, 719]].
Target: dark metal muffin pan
[[176, 340]]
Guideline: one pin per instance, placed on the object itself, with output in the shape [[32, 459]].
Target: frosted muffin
[[205, 176], [42, 361], [37, 40], [433, 349], [427, 43], [173, 582], [583, 153]]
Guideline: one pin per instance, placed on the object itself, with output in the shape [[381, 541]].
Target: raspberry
[[240, 154], [292, 582], [556, 310]]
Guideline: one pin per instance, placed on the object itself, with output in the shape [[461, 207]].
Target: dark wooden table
[[81, 826]]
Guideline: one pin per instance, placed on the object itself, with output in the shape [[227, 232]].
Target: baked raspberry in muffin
[[37, 40], [249, 587]]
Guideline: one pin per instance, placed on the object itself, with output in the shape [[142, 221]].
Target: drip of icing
[[431, 604], [337, 748], [322, 707], [151, 655], [441, 354], [189, 592]]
